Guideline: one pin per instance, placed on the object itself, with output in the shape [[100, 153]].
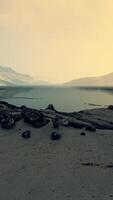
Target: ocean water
[[64, 99]]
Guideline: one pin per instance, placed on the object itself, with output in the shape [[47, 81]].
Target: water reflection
[[11, 92], [64, 98]]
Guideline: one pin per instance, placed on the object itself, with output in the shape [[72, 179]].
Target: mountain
[[105, 80], [8, 76]]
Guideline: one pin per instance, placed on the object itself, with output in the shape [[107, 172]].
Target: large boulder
[[8, 123], [30, 116], [110, 107], [72, 123], [35, 118]]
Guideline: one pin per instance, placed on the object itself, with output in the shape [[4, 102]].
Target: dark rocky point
[[110, 107], [23, 107], [51, 107]]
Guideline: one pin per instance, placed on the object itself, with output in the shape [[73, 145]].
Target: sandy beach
[[74, 167]]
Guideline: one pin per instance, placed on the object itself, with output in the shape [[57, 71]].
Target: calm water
[[64, 99]]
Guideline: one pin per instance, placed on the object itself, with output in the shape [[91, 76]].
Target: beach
[[74, 167]]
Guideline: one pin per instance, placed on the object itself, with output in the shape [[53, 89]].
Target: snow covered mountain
[[105, 80], [8, 76]]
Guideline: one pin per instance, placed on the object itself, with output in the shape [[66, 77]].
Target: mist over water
[[64, 99]]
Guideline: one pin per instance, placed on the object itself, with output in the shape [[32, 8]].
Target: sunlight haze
[[57, 40]]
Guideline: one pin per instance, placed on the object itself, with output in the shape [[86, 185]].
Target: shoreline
[[100, 118]]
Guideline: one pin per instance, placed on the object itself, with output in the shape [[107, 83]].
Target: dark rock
[[9, 106], [74, 124], [2, 116], [8, 123], [30, 116], [65, 122], [109, 166], [51, 107], [83, 133], [55, 136], [40, 123], [90, 128], [56, 122], [8, 119], [23, 107], [35, 118], [26, 134], [110, 107], [91, 164], [17, 117]]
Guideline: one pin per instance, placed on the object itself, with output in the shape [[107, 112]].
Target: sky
[[57, 40]]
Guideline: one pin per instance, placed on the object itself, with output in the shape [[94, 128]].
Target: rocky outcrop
[[50, 107], [35, 118], [73, 123], [110, 107], [8, 120], [7, 123], [89, 119]]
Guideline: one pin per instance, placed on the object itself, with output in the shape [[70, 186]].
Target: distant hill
[[8, 76], [105, 80]]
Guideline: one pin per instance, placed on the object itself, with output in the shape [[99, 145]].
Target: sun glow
[[57, 40]]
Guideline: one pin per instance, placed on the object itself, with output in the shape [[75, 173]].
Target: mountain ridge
[[104, 80], [10, 77]]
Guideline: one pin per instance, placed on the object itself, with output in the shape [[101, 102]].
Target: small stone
[[55, 136], [26, 134], [83, 133]]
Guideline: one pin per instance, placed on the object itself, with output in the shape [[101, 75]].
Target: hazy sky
[[57, 40]]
